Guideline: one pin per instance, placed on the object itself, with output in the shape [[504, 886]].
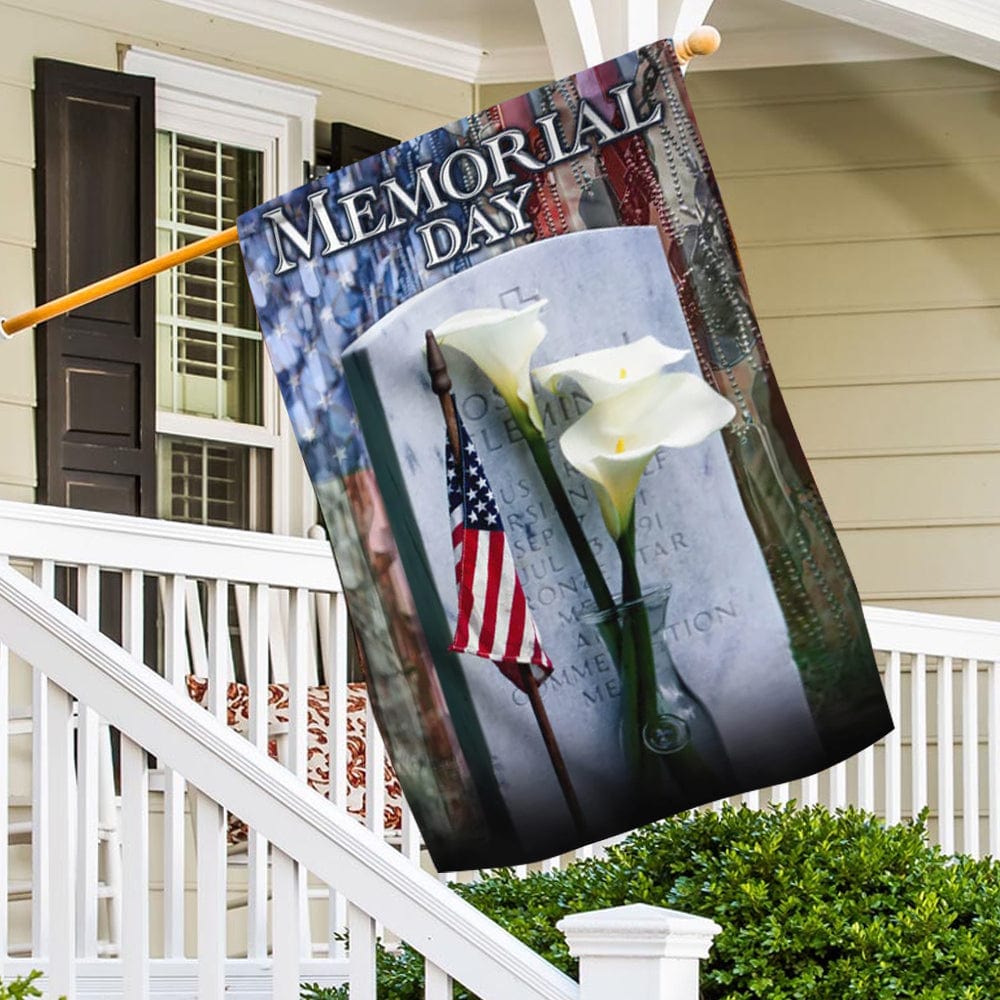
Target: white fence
[[942, 680], [269, 608]]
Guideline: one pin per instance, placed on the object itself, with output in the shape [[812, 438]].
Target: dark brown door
[[95, 200]]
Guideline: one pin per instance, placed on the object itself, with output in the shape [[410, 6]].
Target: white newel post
[[641, 952]]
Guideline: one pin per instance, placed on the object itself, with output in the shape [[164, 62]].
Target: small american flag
[[493, 617]]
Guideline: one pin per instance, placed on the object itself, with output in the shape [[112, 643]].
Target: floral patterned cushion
[[317, 728]]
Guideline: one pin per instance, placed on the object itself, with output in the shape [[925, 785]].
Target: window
[[225, 142], [209, 352]]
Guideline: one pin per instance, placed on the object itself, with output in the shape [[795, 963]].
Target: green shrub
[[813, 906]]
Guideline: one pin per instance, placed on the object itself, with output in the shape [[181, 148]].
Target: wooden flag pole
[[702, 41], [116, 282], [437, 367]]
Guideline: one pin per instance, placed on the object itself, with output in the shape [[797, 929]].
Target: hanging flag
[[570, 251], [493, 616]]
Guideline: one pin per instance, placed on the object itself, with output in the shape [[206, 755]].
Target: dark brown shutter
[[95, 199], [349, 144]]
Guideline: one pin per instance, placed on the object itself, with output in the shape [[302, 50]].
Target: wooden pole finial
[[703, 41], [437, 367]]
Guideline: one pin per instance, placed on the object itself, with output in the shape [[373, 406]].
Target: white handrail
[[452, 934], [115, 541], [933, 635]]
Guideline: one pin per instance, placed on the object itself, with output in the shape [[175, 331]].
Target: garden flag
[[493, 617], [635, 508]]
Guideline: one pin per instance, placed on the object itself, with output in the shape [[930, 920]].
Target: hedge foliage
[[813, 906]]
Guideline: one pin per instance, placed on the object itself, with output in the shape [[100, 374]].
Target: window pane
[[210, 351], [209, 482]]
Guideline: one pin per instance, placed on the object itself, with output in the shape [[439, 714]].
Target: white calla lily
[[608, 372], [612, 443], [501, 342]]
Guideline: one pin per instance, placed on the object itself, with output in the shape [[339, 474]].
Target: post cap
[[638, 930]]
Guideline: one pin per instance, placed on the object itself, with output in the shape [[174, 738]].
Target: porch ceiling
[[494, 41]]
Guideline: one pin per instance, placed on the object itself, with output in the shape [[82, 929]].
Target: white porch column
[[641, 952]]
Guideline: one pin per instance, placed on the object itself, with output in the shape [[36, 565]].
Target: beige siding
[[866, 203], [367, 92]]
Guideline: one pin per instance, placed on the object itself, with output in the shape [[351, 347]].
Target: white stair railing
[[647, 953], [379, 883]]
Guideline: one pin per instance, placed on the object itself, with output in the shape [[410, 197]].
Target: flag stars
[[469, 493]]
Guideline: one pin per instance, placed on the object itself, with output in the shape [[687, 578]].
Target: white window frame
[[278, 119]]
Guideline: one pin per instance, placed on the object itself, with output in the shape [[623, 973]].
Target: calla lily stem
[[588, 563], [638, 664]]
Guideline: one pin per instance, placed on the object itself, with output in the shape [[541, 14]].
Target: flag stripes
[[494, 621]]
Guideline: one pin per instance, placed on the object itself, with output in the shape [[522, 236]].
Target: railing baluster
[[410, 836], [61, 845], [838, 785], [374, 779], [4, 792], [336, 679], [918, 736], [810, 790], [287, 875], [89, 732], [970, 757], [893, 742], [175, 670], [291, 932], [41, 897], [258, 615], [210, 833], [437, 983], [751, 799], [946, 756], [361, 929], [866, 779], [374, 774], [994, 757], [211, 817], [135, 816], [780, 794]]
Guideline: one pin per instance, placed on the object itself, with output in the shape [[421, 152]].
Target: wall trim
[[228, 85], [319, 23], [517, 64]]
